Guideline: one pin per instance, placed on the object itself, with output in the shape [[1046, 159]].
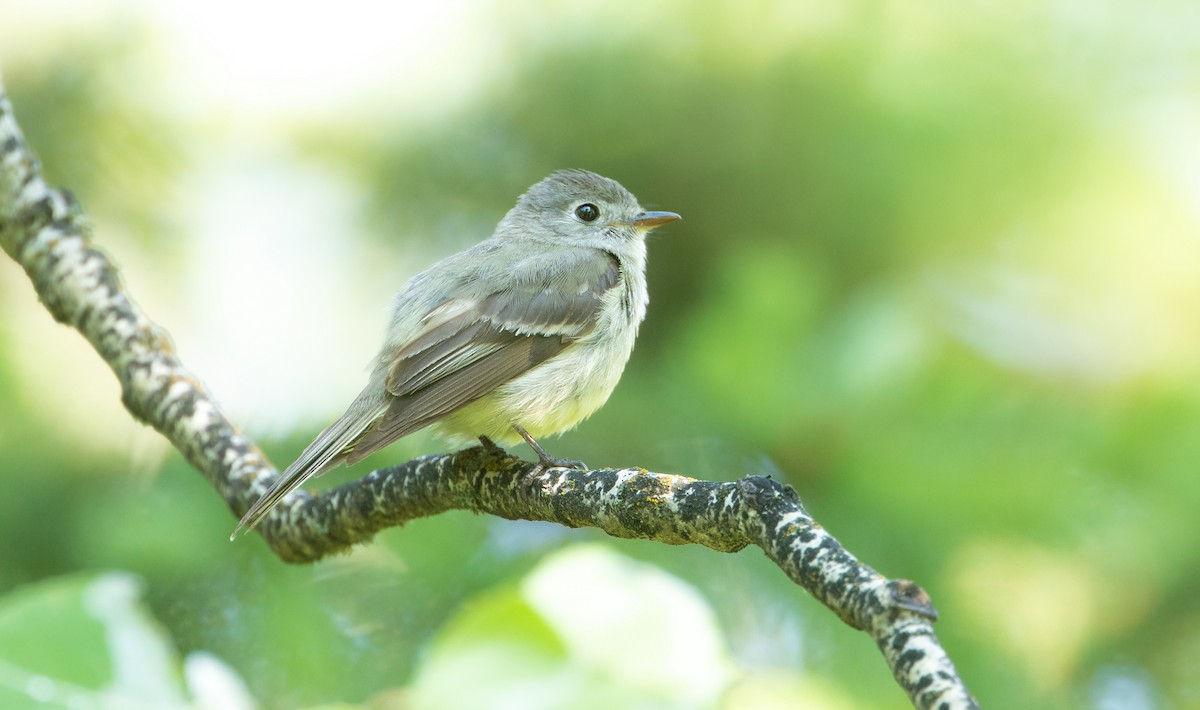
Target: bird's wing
[[470, 346]]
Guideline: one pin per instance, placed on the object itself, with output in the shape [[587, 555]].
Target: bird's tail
[[327, 451]]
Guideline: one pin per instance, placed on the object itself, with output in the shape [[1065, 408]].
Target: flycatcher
[[521, 336]]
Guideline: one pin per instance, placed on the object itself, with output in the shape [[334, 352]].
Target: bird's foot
[[545, 460], [490, 446]]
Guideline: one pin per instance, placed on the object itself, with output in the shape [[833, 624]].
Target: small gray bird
[[521, 336]]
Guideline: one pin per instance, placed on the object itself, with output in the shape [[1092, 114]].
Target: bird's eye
[[587, 212]]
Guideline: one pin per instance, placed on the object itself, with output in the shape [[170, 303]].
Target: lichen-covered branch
[[43, 230]]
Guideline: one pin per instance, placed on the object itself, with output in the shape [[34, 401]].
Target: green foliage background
[[938, 270]]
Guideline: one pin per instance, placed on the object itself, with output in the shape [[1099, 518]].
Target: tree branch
[[44, 231]]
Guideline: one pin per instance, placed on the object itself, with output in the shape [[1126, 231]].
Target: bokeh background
[[939, 269]]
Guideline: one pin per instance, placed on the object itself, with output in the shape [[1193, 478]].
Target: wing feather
[[473, 332], [409, 413]]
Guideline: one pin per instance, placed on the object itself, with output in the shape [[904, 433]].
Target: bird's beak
[[650, 220]]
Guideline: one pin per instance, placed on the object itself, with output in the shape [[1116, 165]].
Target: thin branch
[[44, 231]]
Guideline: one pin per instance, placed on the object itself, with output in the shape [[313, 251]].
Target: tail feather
[[329, 450]]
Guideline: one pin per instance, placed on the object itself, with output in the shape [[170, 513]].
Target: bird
[[521, 336]]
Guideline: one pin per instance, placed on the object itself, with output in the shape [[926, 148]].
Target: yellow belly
[[549, 399]]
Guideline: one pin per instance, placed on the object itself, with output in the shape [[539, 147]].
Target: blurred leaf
[[88, 639], [587, 628]]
